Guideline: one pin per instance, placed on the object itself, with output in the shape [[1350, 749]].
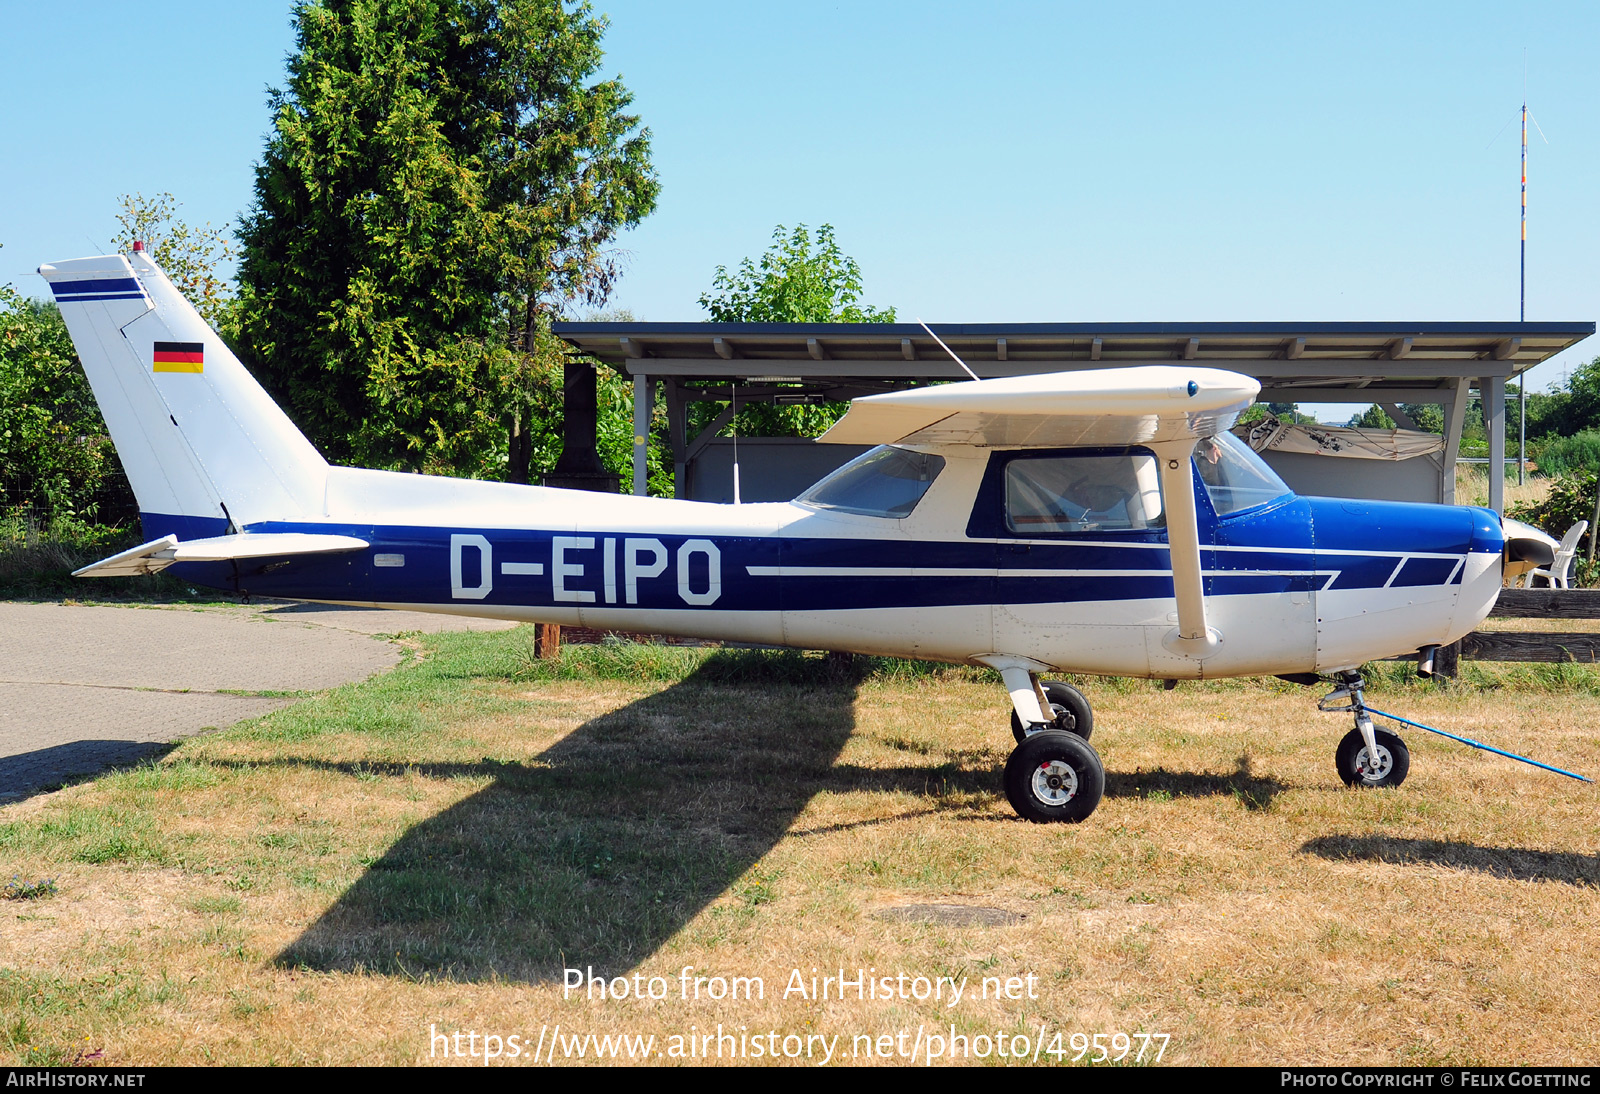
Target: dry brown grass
[[322, 888], [1472, 486]]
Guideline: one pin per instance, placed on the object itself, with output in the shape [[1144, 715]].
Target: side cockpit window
[[1055, 494], [886, 482]]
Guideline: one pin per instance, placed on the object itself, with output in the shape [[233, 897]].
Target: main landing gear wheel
[[1069, 706], [1054, 776], [1387, 768]]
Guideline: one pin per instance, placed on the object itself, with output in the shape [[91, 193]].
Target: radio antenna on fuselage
[[947, 349]]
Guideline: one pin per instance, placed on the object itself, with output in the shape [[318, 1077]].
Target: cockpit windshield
[[885, 482], [1235, 477]]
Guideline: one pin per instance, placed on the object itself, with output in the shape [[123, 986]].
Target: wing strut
[[1192, 637]]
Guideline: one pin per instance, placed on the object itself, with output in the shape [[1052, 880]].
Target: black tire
[[1069, 706], [1054, 776], [1351, 760]]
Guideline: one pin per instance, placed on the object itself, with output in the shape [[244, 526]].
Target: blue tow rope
[[1480, 744]]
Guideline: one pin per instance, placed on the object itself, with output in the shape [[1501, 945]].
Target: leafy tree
[[793, 284], [1556, 456], [441, 173], [1428, 417], [55, 457], [189, 256], [798, 280], [1374, 417], [1568, 410], [568, 164]]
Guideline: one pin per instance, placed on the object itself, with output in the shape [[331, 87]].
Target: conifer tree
[[438, 172]]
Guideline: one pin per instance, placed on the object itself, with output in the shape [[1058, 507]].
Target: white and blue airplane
[[1100, 522]]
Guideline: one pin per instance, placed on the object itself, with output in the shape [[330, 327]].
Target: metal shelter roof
[[1384, 363], [1312, 362]]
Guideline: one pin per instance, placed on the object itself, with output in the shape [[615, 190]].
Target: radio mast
[[1522, 294]]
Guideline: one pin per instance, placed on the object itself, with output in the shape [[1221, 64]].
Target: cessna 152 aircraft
[[1101, 522]]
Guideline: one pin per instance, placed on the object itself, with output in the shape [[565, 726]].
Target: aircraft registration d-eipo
[[1097, 522]]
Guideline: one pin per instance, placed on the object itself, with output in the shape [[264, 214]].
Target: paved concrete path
[[82, 687]]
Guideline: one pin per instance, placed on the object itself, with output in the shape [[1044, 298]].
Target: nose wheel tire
[[1388, 768], [1069, 707], [1054, 776]]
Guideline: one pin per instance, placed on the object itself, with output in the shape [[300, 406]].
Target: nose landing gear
[[1367, 756]]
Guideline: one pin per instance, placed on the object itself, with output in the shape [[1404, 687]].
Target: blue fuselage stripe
[[647, 570]]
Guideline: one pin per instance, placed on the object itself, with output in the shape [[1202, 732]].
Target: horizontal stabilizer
[[158, 554], [134, 561]]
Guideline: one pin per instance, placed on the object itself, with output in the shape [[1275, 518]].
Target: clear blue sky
[[995, 162]]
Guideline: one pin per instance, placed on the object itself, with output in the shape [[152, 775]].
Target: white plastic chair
[[1556, 574]]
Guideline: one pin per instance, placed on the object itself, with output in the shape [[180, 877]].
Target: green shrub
[[1559, 456], [38, 554], [54, 452], [1570, 500]]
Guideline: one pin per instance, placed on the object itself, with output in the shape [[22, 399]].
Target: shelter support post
[[644, 390], [1493, 390], [677, 427], [1455, 416], [1398, 416]]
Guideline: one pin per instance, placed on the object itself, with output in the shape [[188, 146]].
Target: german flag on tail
[[180, 357]]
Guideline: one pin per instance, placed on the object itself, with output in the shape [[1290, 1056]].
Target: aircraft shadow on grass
[[1254, 792], [1514, 863], [606, 845], [600, 849]]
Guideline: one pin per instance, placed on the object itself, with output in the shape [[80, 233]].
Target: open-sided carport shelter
[[1356, 363]]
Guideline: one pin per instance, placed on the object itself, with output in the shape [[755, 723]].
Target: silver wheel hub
[[1055, 783], [1374, 769]]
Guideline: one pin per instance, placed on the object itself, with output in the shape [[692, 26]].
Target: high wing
[[1101, 407], [1166, 408]]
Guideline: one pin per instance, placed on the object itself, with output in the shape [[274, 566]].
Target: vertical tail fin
[[205, 448]]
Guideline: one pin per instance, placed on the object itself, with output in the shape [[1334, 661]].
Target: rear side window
[[1083, 494], [886, 482]]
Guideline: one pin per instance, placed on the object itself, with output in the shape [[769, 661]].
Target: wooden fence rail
[[1533, 645]]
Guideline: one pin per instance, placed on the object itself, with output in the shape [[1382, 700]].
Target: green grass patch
[[124, 833], [39, 1011]]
